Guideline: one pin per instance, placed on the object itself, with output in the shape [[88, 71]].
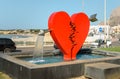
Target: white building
[[98, 32], [116, 29]]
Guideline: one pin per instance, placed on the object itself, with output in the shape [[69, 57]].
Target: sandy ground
[[4, 76], [33, 37], [81, 77]]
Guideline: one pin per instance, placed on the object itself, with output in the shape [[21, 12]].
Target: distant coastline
[[20, 31]]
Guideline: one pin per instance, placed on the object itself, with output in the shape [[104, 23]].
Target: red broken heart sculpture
[[69, 33]]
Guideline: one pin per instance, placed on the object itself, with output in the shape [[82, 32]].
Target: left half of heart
[[59, 26]]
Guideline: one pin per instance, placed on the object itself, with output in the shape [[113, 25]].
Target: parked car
[[108, 43], [7, 45], [97, 43], [100, 42]]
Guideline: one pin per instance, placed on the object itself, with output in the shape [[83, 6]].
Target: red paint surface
[[69, 33]]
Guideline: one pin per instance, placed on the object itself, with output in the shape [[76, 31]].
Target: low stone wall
[[102, 71], [19, 69]]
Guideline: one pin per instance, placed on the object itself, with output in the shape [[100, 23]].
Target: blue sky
[[34, 14]]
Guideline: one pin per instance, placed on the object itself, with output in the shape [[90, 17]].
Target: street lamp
[[105, 12], [83, 5], [105, 21]]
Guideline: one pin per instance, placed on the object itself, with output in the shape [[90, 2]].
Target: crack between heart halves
[[72, 36]]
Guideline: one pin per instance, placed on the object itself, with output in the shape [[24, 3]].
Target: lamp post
[[83, 5], [105, 20], [105, 12], [105, 36], [105, 23]]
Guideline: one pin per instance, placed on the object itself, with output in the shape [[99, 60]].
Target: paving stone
[[102, 71]]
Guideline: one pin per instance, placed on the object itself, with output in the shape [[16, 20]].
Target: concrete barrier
[[102, 71]]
